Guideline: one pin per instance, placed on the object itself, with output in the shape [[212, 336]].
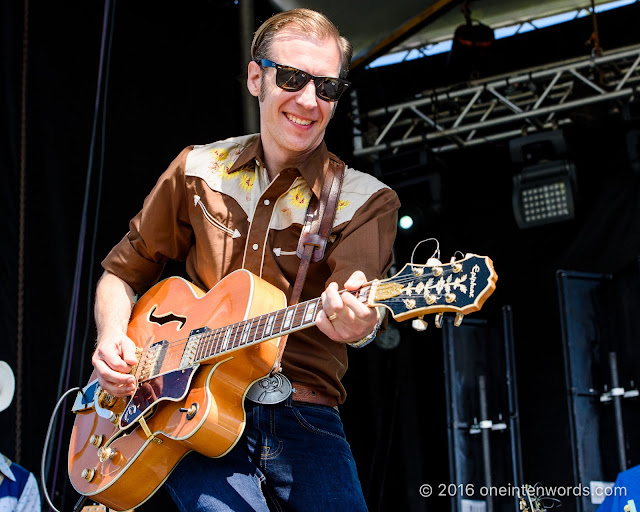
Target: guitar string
[[398, 300], [213, 333]]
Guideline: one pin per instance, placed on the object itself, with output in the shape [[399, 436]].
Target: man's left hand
[[351, 320]]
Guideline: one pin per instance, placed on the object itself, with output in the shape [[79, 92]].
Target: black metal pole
[[616, 396], [486, 444]]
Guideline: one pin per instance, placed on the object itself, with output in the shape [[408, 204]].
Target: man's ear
[[254, 72]]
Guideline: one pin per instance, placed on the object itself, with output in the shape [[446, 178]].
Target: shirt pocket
[[233, 233]]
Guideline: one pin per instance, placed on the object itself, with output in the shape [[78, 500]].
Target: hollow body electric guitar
[[198, 353]]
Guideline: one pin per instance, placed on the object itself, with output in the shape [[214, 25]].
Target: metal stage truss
[[499, 107]]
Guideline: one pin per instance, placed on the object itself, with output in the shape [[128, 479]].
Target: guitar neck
[[205, 343]]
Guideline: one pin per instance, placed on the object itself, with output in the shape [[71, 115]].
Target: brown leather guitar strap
[[315, 233]]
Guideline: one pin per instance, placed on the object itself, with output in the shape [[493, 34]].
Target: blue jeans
[[291, 456]]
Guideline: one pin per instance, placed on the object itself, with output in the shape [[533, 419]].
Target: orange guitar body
[[148, 450]]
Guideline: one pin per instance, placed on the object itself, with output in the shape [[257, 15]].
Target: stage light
[[544, 187], [544, 194], [406, 222]]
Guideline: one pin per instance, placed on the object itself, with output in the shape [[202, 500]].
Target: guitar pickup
[[188, 358], [85, 398]]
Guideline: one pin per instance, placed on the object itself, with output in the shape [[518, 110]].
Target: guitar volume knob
[[105, 453], [96, 440], [88, 474]]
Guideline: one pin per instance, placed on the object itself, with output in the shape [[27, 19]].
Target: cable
[[21, 235], [94, 238], [46, 445], [100, 103]]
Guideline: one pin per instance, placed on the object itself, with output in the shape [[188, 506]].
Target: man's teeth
[[297, 120]]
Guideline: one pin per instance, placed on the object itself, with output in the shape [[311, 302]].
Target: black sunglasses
[[293, 79]]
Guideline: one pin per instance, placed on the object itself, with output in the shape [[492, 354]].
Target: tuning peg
[[438, 320], [458, 319], [419, 324], [433, 262]]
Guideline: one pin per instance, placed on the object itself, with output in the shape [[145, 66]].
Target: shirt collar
[[313, 169], [5, 469]]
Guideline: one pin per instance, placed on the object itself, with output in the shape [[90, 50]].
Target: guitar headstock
[[461, 286]]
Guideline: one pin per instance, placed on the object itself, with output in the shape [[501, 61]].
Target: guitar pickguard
[[170, 386]]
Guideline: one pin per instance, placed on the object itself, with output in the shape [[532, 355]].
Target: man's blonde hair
[[309, 21]]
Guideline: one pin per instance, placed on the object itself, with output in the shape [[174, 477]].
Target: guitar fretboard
[[207, 343]]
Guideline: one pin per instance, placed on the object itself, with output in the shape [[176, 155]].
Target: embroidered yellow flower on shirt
[[222, 159], [247, 179], [342, 204], [299, 198]]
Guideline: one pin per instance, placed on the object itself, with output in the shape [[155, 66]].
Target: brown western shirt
[[216, 209]]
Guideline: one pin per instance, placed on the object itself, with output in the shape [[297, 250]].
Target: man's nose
[[307, 97]]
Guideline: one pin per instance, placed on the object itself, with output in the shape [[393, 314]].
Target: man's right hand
[[115, 352], [113, 359]]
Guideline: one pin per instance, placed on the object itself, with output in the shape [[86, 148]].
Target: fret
[[268, 328], [245, 332], [277, 322], [310, 313], [203, 346], [214, 344], [255, 331], [227, 337], [288, 318], [234, 343], [210, 347], [220, 339], [234, 336], [298, 317]]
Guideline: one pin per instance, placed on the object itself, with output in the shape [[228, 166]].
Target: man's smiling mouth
[[297, 120]]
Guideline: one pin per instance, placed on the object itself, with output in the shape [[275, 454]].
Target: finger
[[326, 326], [355, 281], [359, 309], [111, 354], [113, 382], [129, 351], [112, 377], [331, 300]]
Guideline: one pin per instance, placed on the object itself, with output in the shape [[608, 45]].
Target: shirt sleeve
[[366, 242], [159, 232]]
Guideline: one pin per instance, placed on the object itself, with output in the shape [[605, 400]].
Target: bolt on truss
[[499, 107]]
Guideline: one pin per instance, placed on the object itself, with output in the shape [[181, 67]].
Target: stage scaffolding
[[498, 107]]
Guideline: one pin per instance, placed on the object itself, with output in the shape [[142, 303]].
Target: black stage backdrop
[[175, 79]]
